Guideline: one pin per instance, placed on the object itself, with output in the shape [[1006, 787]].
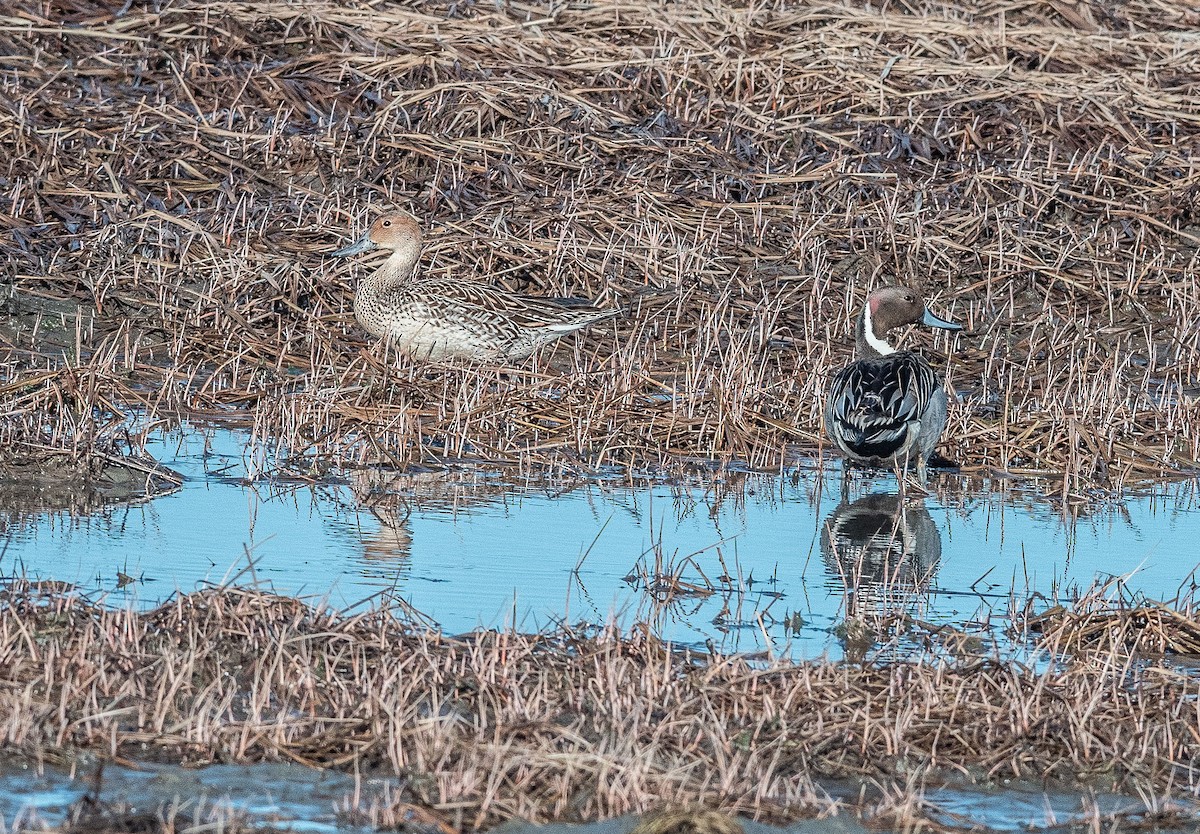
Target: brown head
[[396, 231], [888, 308]]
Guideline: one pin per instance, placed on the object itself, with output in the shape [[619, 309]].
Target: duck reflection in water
[[392, 539], [391, 497], [884, 554]]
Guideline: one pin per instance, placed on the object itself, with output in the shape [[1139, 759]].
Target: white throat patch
[[880, 345]]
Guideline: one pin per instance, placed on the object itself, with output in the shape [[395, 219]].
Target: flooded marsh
[[252, 555], [763, 643], [737, 561], [491, 726]]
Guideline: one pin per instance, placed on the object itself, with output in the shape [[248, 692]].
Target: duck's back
[[444, 319], [886, 406]]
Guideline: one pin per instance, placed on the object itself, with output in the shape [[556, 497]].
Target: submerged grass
[[737, 176], [565, 726]]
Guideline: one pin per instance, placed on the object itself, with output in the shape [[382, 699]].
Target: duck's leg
[[845, 480], [920, 490]]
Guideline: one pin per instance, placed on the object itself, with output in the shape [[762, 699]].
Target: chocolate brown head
[[888, 308]]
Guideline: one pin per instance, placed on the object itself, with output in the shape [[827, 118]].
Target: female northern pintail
[[888, 407], [442, 318]]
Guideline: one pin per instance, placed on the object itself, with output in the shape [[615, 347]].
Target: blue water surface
[[740, 561]]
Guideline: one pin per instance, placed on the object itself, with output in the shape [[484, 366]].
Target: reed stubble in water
[[569, 726], [738, 177]]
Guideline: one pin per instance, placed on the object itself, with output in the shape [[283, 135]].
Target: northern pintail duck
[[888, 407], [883, 542], [443, 318]]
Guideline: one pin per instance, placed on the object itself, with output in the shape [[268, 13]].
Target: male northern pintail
[[441, 318], [888, 406], [881, 541]]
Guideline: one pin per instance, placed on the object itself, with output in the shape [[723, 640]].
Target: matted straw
[[737, 177]]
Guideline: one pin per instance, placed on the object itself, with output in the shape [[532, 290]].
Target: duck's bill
[[933, 321], [363, 244]]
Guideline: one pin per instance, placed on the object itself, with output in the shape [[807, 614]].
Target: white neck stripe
[[880, 345]]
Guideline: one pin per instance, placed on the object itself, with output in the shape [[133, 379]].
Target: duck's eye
[[386, 223]]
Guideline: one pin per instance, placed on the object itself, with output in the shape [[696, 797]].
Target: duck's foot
[[915, 492]]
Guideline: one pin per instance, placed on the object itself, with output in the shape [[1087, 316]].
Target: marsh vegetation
[[736, 177]]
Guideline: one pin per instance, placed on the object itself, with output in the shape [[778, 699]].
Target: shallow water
[[290, 797], [761, 561], [283, 796]]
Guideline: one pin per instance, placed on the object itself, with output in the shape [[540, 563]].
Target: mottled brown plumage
[[441, 318]]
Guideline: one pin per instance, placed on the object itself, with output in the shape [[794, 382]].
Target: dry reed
[[1103, 623], [736, 175], [491, 726]]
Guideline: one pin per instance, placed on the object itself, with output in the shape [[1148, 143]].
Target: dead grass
[[737, 176], [491, 726], [66, 444], [1109, 621]]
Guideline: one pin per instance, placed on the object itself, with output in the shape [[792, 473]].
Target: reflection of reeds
[[496, 725], [67, 444], [734, 176]]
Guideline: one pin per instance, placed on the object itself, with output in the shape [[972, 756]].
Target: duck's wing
[[562, 314], [874, 402], [466, 300]]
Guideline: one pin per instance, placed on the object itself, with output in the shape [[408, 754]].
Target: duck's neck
[[397, 269], [869, 343]]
